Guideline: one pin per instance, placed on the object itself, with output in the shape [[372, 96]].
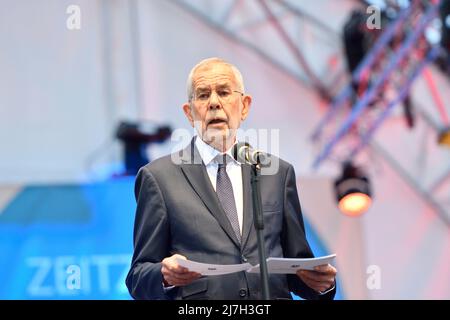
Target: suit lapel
[[195, 172], [248, 204]]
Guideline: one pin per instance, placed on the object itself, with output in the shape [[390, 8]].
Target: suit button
[[242, 293], [244, 259]]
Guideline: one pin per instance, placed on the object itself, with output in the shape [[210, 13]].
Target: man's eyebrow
[[224, 85], [202, 89], [219, 86]]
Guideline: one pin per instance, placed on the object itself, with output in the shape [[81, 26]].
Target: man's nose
[[214, 102]]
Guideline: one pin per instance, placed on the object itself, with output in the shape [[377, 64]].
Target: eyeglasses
[[225, 95]]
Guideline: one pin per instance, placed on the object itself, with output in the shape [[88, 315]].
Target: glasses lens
[[225, 95]]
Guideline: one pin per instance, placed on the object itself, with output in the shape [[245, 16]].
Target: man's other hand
[[176, 275], [321, 279]]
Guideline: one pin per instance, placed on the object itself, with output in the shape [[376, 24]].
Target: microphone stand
[[259, 226]]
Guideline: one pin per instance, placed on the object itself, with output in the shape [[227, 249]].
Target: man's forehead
[[216, 74]]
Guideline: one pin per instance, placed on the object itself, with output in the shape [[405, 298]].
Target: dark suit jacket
[[178, 211]]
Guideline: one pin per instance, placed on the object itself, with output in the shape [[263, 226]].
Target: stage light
[[444, 137], [445, 19], [136, 137], [355, 204], [355, 39], [352, 190]]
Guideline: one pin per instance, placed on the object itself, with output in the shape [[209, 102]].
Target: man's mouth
[[216, 121]]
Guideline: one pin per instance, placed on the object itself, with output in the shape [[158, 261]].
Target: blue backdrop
[[73, 241]]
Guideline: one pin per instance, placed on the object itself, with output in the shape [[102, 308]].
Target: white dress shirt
[[234, 171]]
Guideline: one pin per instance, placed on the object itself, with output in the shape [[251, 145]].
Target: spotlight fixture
[[135, 137], [444, 137], [445, 18], [355, 39], [352, 191]]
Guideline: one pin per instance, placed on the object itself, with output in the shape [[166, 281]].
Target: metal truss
[[400, 67], [276, 30]]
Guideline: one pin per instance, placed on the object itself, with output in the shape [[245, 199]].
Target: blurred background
[[358, 93]]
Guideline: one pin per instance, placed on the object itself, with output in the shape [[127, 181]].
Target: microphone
[[244, 153]]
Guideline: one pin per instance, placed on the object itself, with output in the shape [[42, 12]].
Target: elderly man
[[200, 208]]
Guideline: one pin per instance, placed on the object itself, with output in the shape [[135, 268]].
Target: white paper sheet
[[207, 269], [274, 265], [291, 265]]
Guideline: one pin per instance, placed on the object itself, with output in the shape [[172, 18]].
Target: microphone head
[[245, 154], [240, 152]]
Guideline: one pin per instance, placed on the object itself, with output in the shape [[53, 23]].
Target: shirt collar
[[208, 153]]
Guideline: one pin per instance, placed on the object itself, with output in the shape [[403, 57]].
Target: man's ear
[[246, 103], [188, 112]]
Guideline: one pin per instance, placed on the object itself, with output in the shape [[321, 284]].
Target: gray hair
[[205, 62]]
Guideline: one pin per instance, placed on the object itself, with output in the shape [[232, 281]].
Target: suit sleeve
[[294, 240], [151, 239]]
